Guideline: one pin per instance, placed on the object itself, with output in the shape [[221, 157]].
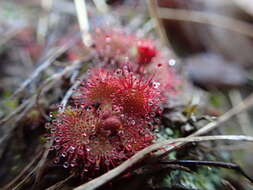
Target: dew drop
[[57, 139], [64, 154], [150, 102], [85, 170], [117, 109], [172, 62], [129, 147], [118, 72], [72, 148], [156, 130], [147, 118], [89, 108], [88, 149], [133, 122], [56, 160], [57, 147], [156, 85], [154, 108], [65, 164], [51, 114], [84, 134], [93, 127], [120, 133]]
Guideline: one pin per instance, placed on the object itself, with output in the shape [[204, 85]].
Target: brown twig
[[247, 103], [243, 117], [245, 5], [9, 128], [231, 24], [70, 92], [97, 182], [40, 166], [41, 163], [83, 21], [15, 112], [49, 82], [154, 13], [44, 65], [101, 6], [228, 185], [27, 105], [244, 105], [24, 180], [152, 7], [12, 182], [60, 183], [9, 35]]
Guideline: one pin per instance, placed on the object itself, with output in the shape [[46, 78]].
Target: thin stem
[[83, 21], [97, 182], [231, 24], [101, 6]]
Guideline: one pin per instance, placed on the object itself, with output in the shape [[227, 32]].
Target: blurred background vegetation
[[211, 42]]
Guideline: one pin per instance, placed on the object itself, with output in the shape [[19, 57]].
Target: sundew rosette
[[90, 142], [133, 97]]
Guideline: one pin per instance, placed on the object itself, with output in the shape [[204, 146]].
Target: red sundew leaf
[[99, 87], [146, 52], [117, 49], [129, 95], [91, 143]]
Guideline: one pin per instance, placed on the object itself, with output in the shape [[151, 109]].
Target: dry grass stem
[[70, 92], [83, 21], [50, 58], [97, 182], [244, 105], [21, 174], [207, 18], [60, 183], [243, 117], [101, 6], [154, 14]]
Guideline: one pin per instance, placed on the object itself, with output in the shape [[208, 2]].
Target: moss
[[204, 179]]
